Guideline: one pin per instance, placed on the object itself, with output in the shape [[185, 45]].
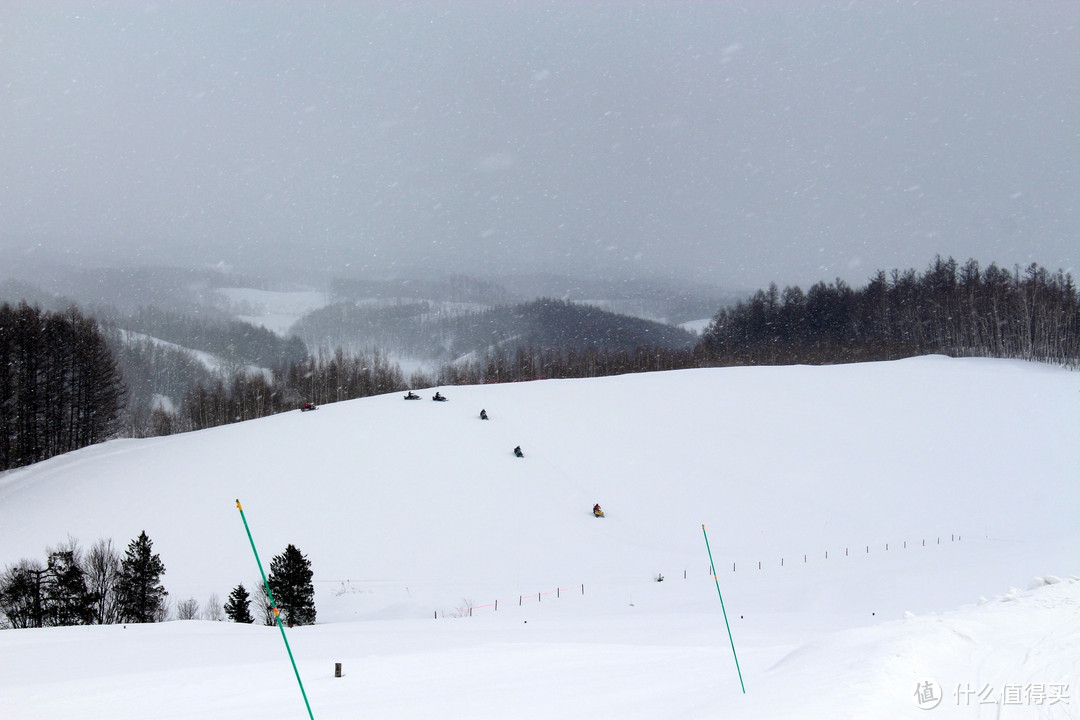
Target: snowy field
[[916, 525], [276, 311], [697, 327]]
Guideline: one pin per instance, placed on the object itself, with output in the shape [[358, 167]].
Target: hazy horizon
[[729, 143]]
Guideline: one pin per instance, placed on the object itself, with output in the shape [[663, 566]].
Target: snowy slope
[[865, 492]]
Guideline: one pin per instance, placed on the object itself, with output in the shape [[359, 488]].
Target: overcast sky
[[737, 143]]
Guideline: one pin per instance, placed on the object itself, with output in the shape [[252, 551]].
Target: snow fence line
[[468, 611], [954, 537], [558, 592]]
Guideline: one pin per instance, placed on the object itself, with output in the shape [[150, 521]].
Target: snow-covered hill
[[885, 503]]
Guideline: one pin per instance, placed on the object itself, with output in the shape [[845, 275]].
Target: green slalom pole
[[726, 623], [273, 606]]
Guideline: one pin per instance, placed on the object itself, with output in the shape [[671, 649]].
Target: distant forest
[[951, 310], [60, 389], [67, 381], [423, 329]]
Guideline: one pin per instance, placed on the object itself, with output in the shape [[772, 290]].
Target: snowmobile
[[517, 452], [411, 396], [483, 415], [597, 512], [438, 397], [308, 406]]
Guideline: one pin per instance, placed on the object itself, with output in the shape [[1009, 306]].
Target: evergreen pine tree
[[290, 583], [141, 597], [68, 600], [238, 607]]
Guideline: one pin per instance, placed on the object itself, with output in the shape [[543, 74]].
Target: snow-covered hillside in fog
[[276, 311], [914, 521]]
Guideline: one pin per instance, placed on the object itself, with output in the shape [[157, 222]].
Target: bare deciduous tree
[[214, 610], [102, 565], [187, 609]]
